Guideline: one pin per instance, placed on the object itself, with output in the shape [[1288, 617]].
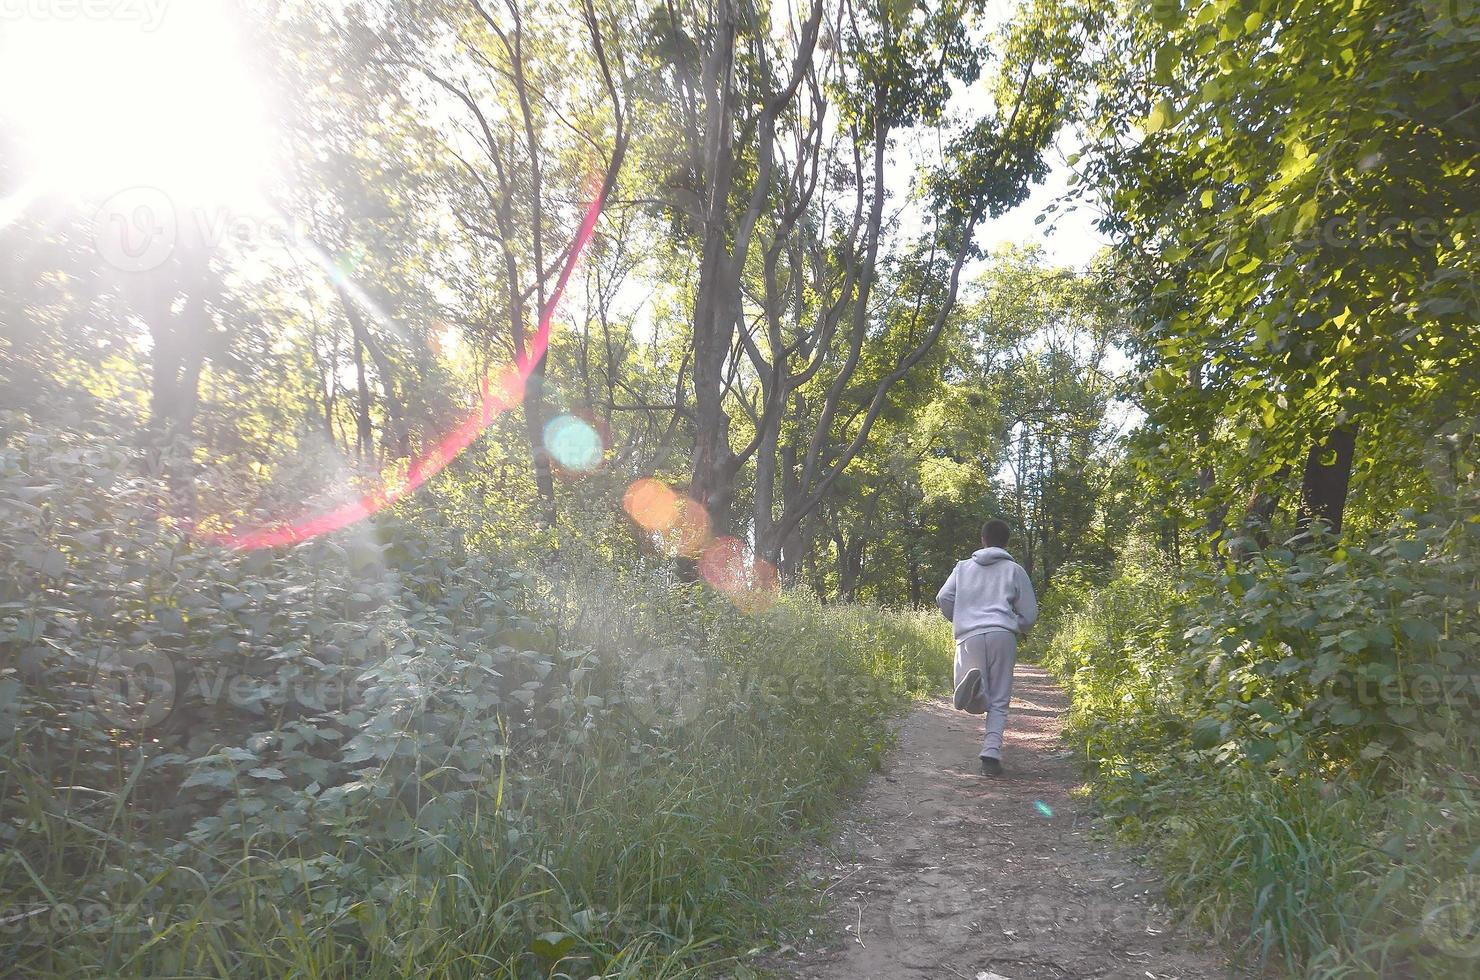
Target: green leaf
[[1431, 741], [1163, 114], [1167, 13], [48, 561], [1442, 306], [1265, 708], [1259, 749], [551, 946], [1420, 630], [1306, 216], [1402, 714], [220, 778], [1168, 56], [1206, 733], [1409, 549]]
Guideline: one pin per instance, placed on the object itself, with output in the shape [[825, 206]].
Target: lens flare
[[651, 504], [763, 589], [682, 527], [681, 524], [502, 389], [752, 585], [1043, 808], [12, 207], [573, 443], [723, 564], [689, 532]]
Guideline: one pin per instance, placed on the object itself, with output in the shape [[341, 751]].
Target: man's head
[[995, 534]]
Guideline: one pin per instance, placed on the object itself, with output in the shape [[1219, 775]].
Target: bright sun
[[155, 93]]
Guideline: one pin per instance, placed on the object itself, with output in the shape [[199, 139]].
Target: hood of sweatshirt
[[991, 556]]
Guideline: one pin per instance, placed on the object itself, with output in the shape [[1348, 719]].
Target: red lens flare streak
[[501, 390]]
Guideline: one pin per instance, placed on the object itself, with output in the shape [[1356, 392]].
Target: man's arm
[[946, 597], [1027, 603]]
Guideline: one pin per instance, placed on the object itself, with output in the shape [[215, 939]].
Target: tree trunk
[[364, 433], [850, 565], [915, 597], [178, 340], [1258, 514], [1328, 470], [797, 541], [534, 429], [1217, 514], [812, 570], [711, 481], [395, 440], [179, 343], [768, 544]]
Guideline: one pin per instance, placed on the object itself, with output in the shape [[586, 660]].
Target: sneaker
[[991, 766], [968, 689]]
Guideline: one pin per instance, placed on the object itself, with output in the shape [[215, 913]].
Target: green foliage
[[390, 751], [1291, 730], [1293, 197], [1295, 739], [1015, 422]]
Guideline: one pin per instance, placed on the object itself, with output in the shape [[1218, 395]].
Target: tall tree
[[1291, 189]]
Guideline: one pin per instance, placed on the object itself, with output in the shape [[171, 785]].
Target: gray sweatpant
[[994, 653]]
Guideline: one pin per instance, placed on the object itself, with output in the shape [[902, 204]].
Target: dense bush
[[390, 750], [1296, 740]]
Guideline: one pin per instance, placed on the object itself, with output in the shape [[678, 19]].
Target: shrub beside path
[[941, 872]]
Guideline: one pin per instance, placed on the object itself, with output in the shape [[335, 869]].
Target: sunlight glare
[[102, 104], [13, 204], [338, 268]]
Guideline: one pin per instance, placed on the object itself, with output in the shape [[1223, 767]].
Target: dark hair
[[995, 533]]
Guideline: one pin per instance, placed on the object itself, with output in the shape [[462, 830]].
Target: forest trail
[[941, 872]]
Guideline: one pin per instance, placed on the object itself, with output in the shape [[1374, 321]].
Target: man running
[[989, 601]]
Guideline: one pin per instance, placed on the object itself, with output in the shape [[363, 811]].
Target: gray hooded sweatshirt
[[988, 591]]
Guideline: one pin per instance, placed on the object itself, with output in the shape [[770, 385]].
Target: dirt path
[[945, 873]]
